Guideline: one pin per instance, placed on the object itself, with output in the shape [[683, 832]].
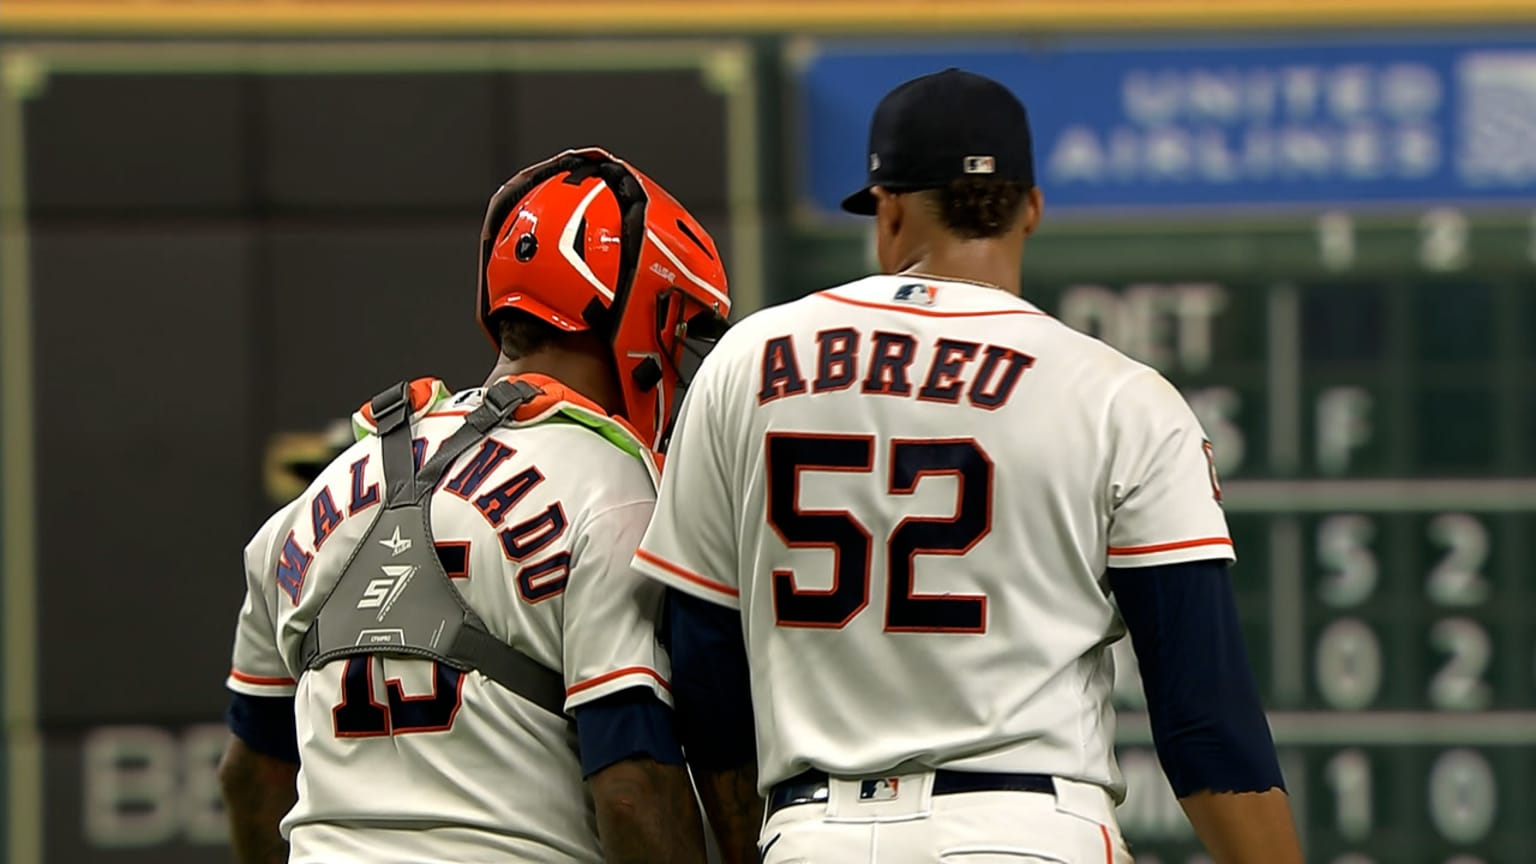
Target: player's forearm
[[1244, 827], [646, 812], [734, 808], [258, 790], [1208, 722]]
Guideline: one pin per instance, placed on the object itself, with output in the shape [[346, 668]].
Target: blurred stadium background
[[223, 224]]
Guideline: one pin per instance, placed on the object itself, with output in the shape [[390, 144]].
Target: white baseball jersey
[[536, 527], [911, 489]]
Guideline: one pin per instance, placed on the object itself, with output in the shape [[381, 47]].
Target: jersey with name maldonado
[[536, 526], [911, 488]]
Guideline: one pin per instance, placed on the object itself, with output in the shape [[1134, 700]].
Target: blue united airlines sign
[[1218, 122]]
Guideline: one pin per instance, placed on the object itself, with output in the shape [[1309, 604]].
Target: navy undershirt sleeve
[[631, 723], [265, 724], [711, 682], [1208, 723]]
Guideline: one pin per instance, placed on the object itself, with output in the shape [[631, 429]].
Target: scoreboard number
[[1463, 797], [1459, 685], [1348, 665], [1348, 775], [1349, 659], [1336, 240], [1458, 579], [1443, 239], [1344, 549]]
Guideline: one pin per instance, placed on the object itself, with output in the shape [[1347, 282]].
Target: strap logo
[[396, 544], [382, 593]]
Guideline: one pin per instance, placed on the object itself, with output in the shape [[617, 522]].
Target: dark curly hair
[[978, 207], [522, 334]]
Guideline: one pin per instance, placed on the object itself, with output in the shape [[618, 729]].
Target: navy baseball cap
[[938, 128]]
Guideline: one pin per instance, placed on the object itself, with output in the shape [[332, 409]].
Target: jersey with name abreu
[[536, 526], [912, 488]]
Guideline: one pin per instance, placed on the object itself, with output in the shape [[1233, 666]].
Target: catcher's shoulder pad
[[426, 395]]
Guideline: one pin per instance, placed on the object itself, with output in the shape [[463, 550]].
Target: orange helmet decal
[[585, 241]]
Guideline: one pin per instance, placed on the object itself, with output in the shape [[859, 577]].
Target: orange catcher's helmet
[[585, 241]]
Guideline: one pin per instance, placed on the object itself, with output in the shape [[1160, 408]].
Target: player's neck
[[582, 372], [983, 261]]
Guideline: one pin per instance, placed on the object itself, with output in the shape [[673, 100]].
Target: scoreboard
[[1369, 385]]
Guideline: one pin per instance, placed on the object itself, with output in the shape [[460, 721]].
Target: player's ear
[[888, 211], [1034, 204], [889, 218]]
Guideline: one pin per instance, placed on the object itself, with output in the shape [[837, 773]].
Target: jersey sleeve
[[257, 669], [1164, 498], [611, 613], [691, 543]]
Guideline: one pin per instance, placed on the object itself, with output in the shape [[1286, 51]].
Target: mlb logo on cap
[[980, 165]]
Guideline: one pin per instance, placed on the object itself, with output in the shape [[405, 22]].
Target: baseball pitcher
[[906, 520]]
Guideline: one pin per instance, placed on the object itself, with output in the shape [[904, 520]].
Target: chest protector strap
[[394, 597]]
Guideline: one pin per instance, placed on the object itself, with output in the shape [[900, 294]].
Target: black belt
[[810, 787]]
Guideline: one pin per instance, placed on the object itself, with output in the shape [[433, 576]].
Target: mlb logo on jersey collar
[[916, 292], [881, 789]]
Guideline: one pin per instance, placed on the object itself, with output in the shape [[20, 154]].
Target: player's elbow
[[229, 769], [619, 786], [248, 777], [627, 795], [622, 817], [646, 812], [240, 774], [235, 768]]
